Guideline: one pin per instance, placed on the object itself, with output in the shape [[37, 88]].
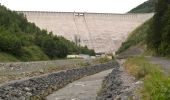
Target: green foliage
[[9, 42], [5, 57], [156, 87], [104, 59], [85, 50], [139, 35], [27, 42], [158, 38], [156, 83], [146, 7], [32, 53]]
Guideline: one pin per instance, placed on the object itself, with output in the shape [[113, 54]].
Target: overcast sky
[[103, 6]]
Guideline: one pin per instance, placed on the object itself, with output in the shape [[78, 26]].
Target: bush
[[32, 53], [10, 43]]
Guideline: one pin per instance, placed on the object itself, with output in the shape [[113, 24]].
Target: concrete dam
[[103, 32]]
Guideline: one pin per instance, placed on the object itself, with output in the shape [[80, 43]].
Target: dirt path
[[165, 63], [83, 89]]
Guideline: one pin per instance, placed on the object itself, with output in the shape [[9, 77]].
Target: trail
[[165, 63], [82, 89]]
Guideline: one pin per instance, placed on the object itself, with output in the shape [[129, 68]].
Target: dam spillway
[[103, 32]]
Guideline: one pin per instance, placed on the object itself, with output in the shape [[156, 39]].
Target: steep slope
[[146, 7], [138, 36], [156, 34], [24, 41]]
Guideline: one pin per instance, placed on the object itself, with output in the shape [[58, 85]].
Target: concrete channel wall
[[37, 88]]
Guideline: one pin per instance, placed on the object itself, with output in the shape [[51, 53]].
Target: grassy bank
[[156, 85]]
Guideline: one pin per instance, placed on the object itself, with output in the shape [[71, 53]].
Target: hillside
[[159, 38], [21, 40], [146, 7], [153, 70], [138, 36], [155, 33]]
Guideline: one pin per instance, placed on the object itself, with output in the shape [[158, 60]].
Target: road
[[82, 89]]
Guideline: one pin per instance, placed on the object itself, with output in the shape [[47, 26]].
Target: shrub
[[32, 53], [10, 43]]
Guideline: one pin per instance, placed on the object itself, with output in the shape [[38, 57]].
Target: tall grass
[[156, 85]]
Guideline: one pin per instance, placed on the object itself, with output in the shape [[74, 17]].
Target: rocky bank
[[38, 87]]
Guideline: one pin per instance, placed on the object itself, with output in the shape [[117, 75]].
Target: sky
[[98, 6]]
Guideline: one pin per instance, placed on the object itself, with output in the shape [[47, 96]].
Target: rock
[[138, 83], [111, 86], [29, 94], [27, 89]]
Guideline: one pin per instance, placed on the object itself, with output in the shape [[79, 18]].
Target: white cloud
[[105, 6]]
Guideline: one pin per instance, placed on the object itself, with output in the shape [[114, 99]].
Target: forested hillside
[[24, 41], [146, 7], [159, 36]]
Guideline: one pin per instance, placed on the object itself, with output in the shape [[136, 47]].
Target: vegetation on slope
[[158, 38], [146, 7], [139, 35], [156, 84], [156, 32], [25, 41]]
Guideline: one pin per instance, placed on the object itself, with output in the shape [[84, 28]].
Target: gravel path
[[165, 63], [83, 89]]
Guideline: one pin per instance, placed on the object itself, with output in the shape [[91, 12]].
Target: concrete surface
[[93, 29], [83, 89]]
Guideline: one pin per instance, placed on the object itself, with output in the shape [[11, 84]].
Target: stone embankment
[[41, 86], [119, 85], [112, 86]]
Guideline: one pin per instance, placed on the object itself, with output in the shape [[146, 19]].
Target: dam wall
[[103, 32]]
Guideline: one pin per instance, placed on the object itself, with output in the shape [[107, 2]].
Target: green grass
[[103, 60], [156, 84], [139, 35], [4, 57], [33, 53]]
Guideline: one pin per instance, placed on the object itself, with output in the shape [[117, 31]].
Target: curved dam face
[[103, 32]]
